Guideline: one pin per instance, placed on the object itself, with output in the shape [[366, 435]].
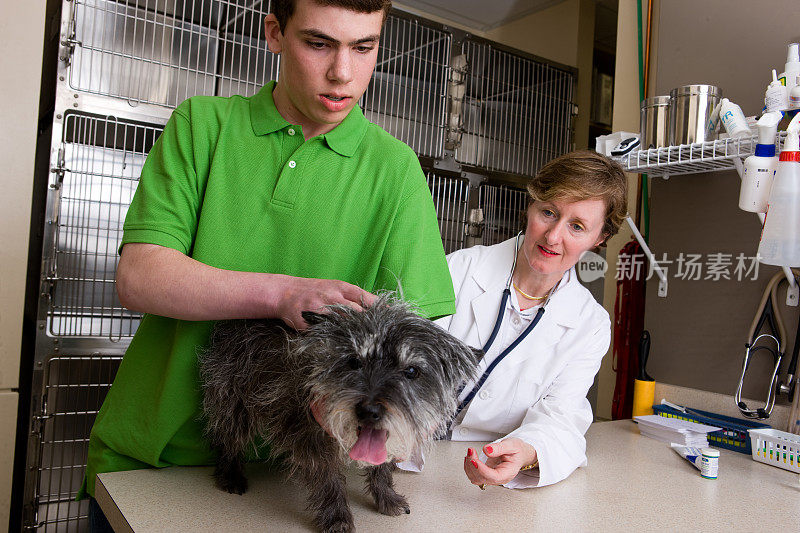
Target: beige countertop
[[631, 483]]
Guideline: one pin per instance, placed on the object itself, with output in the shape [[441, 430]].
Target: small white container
[[733, 119], [777, 96], [776, 448], [794, 95], [709, 463]]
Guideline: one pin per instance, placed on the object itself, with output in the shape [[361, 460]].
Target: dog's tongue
[[370, 446]]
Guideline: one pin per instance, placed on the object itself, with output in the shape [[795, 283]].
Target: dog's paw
[[340, 527], [337, 524], [233, 484], [392, 504]]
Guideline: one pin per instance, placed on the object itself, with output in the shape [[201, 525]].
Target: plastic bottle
[[794, 95], [759, 169], [780, 239], [777, 97], [733, 119], [792, 69]]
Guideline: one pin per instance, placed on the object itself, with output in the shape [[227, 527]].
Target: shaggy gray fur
[[381, 369]]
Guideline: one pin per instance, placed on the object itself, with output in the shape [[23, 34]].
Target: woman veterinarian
[[550, 332]]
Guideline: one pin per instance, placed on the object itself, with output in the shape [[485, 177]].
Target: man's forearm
[[162, 281]]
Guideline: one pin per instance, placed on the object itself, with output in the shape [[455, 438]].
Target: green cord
[[645, 208]]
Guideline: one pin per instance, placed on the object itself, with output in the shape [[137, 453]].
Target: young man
[[266, 206]]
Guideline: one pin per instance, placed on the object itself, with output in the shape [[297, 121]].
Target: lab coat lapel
[[491, 276]]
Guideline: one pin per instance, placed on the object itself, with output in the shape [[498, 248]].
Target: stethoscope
[[498, 322]]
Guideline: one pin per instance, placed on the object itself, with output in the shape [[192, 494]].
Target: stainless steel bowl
[[689, 113], [654, 130]]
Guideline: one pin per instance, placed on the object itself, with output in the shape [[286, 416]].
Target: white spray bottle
[[792, 69], [759, 169], [780, 238]]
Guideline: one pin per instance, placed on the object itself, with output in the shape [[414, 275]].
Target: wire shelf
[[75, 388], [503, 211], [451, 198], [710, 156], [517, 111]]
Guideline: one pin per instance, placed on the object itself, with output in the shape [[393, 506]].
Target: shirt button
[[483, 394], [463, 431], [292, 164], [515, 320], [290, 131]]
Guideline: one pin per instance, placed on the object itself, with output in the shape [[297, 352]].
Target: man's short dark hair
[[284, 9]]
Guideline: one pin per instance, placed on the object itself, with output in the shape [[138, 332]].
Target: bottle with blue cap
[[759, 169], [780, 238]]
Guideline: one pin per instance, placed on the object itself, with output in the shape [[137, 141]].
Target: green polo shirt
[[232, 184]]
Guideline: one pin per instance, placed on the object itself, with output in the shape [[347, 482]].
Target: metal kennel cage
[[481, 117]]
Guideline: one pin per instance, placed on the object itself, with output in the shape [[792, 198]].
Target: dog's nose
[[369, 412]]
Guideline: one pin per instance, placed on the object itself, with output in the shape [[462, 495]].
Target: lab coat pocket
[[528, 392]]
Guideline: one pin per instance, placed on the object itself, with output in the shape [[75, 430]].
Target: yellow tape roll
[[643, 395]]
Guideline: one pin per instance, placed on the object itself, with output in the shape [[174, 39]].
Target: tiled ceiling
[[481, 15]]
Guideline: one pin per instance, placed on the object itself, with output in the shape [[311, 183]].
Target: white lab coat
[[538, 392]]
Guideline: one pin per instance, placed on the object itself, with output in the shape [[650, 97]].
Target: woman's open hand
[[504, 460]]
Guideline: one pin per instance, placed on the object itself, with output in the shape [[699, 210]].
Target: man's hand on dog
[[504, 460], [296, 295]]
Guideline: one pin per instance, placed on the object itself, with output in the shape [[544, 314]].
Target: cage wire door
[[74, 389], [450, 198], [165, 51], [408, 93], [101, 160], [517, 111]]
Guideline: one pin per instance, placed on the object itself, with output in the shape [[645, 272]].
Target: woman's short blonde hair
[[584, 175]]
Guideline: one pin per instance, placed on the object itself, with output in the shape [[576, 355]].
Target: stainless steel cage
[[101, 159], [74, 389], [451, 198], [503, 207], [517, 111]]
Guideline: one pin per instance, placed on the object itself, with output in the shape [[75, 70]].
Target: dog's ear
[[313, 318]]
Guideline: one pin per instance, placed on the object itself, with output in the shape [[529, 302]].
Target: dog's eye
[[354, 363], [411, 372]]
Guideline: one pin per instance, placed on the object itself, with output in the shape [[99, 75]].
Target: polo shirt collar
[[263, 114], [344, 139]]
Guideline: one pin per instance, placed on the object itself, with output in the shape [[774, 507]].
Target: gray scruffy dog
[[383, 382]]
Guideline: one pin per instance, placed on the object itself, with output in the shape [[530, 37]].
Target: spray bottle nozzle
[[768, 127], [793, 54]]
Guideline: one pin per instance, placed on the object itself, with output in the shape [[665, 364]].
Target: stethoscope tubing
[[498, 322]]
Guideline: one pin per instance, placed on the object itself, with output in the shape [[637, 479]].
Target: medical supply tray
[[732, 436], [776, 448]]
